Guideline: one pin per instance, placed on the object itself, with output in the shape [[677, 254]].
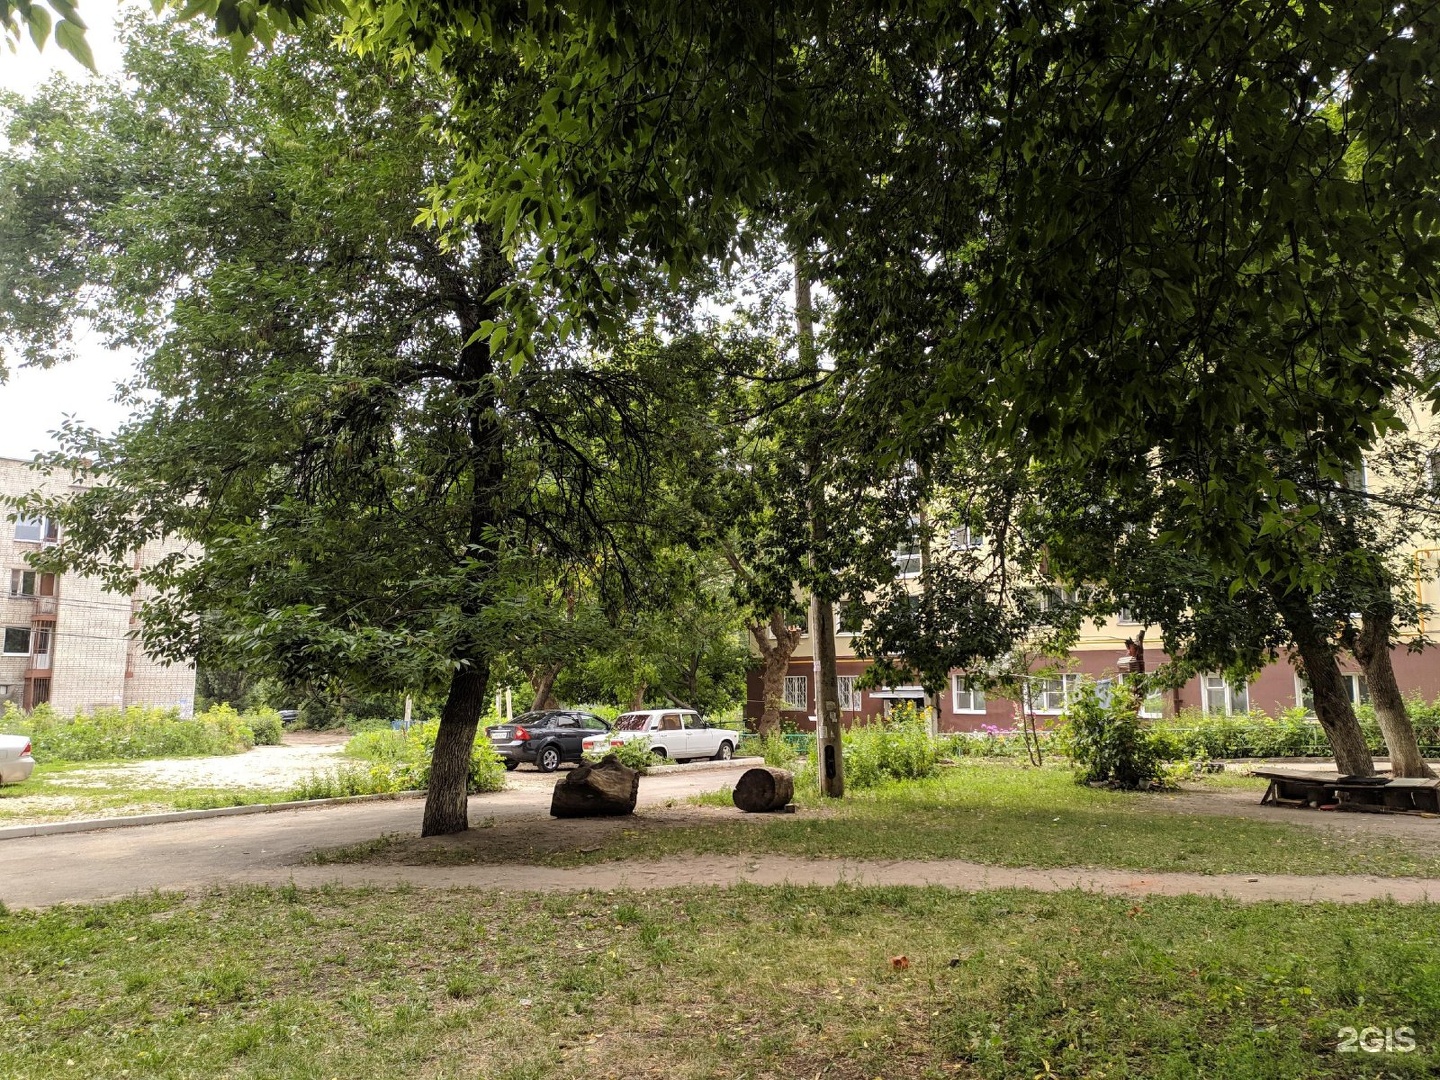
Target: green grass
[[1012, 816], [743, 982]]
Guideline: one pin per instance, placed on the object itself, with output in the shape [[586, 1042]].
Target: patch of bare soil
[[1246, 804], [304, 737], [534, 840]]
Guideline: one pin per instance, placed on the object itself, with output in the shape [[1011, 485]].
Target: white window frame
[[966, 700], [1069, 684], [5, 641], [1232, 692], [846, 694], [792, 683], [839, 616], [963, 538], [907, 556], [1126, 617], [47, 528], [1354, 681]]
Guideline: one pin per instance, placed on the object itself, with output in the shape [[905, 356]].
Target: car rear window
[[632, 722]]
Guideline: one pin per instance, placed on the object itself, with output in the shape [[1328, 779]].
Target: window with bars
[[797, 693], [846, 692]]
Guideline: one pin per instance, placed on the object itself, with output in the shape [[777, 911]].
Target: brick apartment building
[[66, 641]]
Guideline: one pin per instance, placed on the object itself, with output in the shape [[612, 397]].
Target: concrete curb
[[54, 828], [57, 828], [705, 766]]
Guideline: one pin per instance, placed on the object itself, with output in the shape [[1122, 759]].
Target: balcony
[[45, 607]]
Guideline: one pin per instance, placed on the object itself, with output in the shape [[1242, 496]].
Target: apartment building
[[67, 641], [1103, 652]]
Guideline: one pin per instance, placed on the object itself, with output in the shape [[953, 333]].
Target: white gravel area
[[262, 767]]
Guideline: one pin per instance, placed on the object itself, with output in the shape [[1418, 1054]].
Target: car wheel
[[658, 752], [725, 753], [548, 760], [511, 766]]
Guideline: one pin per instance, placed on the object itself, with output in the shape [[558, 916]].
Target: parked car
[[546, 738], [16, 762], [677, 734]]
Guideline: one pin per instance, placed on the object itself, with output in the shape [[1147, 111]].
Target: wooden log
[[763, 790], [602, 788]]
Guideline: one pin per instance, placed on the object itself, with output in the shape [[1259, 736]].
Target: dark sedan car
[[546, 738]]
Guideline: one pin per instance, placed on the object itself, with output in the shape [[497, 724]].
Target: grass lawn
[[85, 789], [744, 982], [1001, 814]]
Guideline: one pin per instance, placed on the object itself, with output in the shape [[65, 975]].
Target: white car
[[677, 734], [16, 764]]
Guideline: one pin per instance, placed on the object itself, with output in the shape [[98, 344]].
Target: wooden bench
[[1362, 794]]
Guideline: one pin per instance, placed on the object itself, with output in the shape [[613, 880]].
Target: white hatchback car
[[677, 734], [16, 762]]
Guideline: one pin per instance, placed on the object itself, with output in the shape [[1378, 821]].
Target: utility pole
[[831, 763]]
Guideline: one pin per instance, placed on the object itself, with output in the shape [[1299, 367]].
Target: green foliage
[[1110, 743], [899, 749], [774, 748], [140, 732], [400, 760], [634, 754], [265, 725], [349, 781]]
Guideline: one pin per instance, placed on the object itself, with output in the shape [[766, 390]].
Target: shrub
[[402, 759], [899, 749], [265, 726], [635, 754], [136, 732], [1109, 743], [774, 748]]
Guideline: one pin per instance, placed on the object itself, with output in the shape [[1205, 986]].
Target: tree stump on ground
[[602, 788], [763, 790]]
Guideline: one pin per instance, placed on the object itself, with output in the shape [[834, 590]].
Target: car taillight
[[26, 750], [522, 734], [617, 742]]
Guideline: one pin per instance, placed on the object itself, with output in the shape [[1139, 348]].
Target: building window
[[1356, 688], [797, 693], [846, 692], [907, 559], [844, 616], [1053, 596], [1127, 617], [17, 641], [967, 699], [964, 538], [1051, 695], [1357, 479], [1221, 698], [31, 583], [37, 530]]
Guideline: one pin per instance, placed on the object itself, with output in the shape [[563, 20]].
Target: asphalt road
[[40, 871]]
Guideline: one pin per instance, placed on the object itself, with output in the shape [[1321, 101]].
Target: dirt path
[[42, 870], [782, 870]]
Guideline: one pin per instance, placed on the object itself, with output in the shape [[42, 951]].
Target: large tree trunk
[[777, 645], [1322, 671], [543, 683], [1372, 649], [637, 699], [475, 389], [446, 801]]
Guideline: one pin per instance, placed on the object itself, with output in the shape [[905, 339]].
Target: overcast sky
[[33, 403]]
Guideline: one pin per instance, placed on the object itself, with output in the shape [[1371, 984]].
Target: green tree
[[320, 414]]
